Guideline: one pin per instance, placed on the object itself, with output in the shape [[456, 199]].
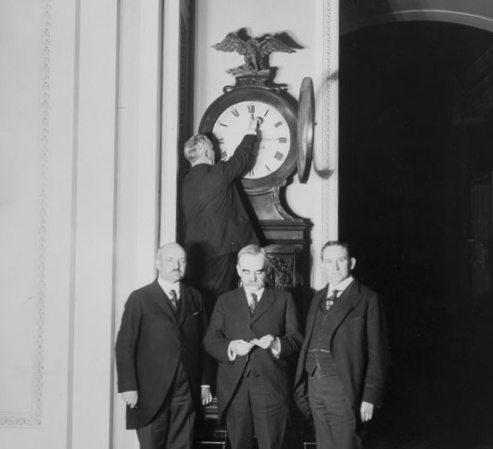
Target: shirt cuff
[[205, 386], [251, 133], [276, 348]]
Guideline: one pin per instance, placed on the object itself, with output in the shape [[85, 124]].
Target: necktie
[[253, 303], [173, 298], [329, 302]]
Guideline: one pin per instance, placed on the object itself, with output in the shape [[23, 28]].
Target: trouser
[[173, 425], [255, 411], [333, 416]]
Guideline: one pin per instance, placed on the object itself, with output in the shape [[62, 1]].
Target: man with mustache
[[253, 332], [159, 356]]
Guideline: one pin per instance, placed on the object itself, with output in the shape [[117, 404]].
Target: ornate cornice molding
[[33, 417]]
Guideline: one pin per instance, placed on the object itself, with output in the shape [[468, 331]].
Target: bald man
[[159, 356]]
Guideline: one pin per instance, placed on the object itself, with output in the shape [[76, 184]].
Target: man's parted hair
[[340, 243], [193, 145], [253, 250]]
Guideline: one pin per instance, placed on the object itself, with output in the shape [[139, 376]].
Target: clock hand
[[281, 139]]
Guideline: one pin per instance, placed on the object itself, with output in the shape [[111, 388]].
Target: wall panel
[[57, 215], [36, 155]]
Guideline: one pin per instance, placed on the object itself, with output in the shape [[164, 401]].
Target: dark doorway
[[405, 206]]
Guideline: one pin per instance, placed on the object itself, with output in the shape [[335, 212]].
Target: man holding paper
[[253, 333]]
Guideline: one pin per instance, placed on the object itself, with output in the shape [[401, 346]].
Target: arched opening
[[406, 174]]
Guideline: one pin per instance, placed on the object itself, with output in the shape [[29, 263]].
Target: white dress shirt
[[276, 345], [248, 294], [168, 286], [340, 287]]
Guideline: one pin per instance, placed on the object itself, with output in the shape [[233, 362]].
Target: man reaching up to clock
[[216, 222]]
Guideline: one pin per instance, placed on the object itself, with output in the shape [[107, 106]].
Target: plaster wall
[[35, 218], [74, 236]]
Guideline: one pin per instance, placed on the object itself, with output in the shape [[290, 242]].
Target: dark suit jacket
[[358, 344], [151, 341], [216, 222], [276, 315]]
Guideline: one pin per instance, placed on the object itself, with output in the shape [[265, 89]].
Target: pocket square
[[196, 313]]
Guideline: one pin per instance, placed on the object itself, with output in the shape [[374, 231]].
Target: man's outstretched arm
[[245, 155]]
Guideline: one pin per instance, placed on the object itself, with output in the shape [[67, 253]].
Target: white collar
[[248, 294], [340, 287], [168, 286]]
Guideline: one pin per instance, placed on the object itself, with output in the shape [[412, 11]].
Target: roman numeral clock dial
[[274, 133], [228, 117]]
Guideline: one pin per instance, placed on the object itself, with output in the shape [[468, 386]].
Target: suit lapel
[[313, 311], [242, 301], [184, 305], [310, 321], [268, 297], [159, 297], [345, 303]]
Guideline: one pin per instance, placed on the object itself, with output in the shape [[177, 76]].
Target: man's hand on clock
[[255, 122]]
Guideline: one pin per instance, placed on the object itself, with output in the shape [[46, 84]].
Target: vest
[[319, 356]]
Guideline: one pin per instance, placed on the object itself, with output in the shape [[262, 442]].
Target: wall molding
[[474, 15], [33, 417], [327, 164]]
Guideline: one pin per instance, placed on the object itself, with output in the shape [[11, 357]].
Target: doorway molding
[[478, 15]]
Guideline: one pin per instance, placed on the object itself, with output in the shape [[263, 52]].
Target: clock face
[[274, 132], [228, 117]]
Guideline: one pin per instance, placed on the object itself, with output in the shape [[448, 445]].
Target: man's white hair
[[253, 250]]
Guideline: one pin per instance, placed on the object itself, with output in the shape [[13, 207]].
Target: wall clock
[[227, 119], [282, 147]]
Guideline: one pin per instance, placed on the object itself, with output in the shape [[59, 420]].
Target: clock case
[[279, 100], [286, 236]]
